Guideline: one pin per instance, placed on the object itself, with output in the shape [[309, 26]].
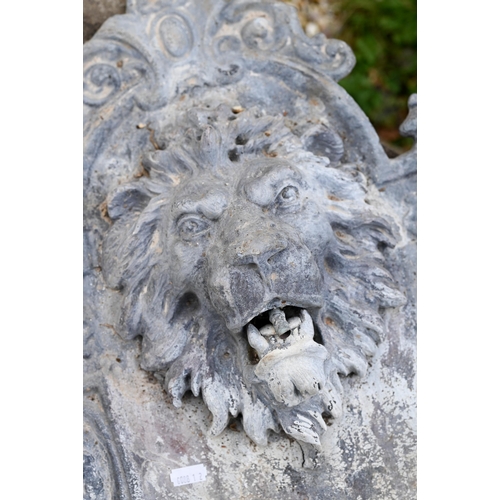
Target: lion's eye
[[288, 195], [191, 226]]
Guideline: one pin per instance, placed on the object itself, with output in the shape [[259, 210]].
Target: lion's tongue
[[278, 331]]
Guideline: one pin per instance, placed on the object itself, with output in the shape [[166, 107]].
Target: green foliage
[[383, 36]]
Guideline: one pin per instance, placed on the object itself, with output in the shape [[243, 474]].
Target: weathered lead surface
[[233, 190]]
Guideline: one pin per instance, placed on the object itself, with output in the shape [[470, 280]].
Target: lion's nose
[[260, 248]]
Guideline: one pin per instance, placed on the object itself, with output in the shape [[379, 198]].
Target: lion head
[[251, 263]]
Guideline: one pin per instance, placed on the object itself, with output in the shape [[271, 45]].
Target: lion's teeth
[[278, 319], [267, 330], [304, 420], [270, 335], [318, 418], [257, 341], [307, 327]]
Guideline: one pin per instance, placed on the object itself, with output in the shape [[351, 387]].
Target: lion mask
[[251, 263]]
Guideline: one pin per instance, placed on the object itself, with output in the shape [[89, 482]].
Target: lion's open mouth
[[279, 328]]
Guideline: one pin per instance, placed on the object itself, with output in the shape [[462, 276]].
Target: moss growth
[[383, 36]]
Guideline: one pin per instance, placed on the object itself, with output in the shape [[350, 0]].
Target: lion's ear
[[324, 141], [124, 207], [126, 199]]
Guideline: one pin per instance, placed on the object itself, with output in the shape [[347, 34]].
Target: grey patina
[[247, 240]]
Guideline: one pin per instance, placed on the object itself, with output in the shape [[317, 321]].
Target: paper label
[[188, 475]]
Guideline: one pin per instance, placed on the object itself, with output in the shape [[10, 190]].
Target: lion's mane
[[180, 341]]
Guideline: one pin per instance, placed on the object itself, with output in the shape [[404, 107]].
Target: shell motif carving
[[273, 28], [175, 35], [100, 82], [256, 25], [153, 6], [260, 33], [107, 73]]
